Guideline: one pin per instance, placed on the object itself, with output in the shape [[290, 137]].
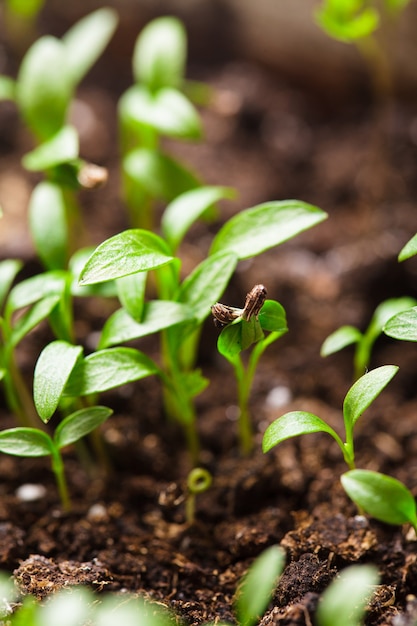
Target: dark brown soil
[[127, 529]]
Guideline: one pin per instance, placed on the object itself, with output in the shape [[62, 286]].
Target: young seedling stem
[[199, 480]]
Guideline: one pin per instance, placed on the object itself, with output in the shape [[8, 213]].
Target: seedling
[[183, 306], [32, 442], [362, 393], [364, 342], [244, 328], [155, 107], [345, 599], [77, 606], [379, 495], [23, 308], [257, 587], [48, 77], [356, 22], [198, 481]]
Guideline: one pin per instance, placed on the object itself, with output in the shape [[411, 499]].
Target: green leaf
[[380, 496], [76, 265], [131, 293], [395, 6], [25, 442], [409, 250], [344, 601], [347, 21], [26, 9], [184, 210], [131, 251], [7, 88], [8, 270], [160, 53], [157, 315], [387, 309], [60, 148], [48, 217], [52, 370], [157, 174], [167, 111], [193, 383], [339, 339], [403, 326], [86, 40], [272, 317], [35, 288], [44, 87], [107, 369], [364, 392], [31, 318], [238, 336], [293, 424], [259, 228], [258, 585], [79, 424], [206, 283]]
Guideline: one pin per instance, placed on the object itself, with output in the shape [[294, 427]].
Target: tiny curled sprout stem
[[198, 481]]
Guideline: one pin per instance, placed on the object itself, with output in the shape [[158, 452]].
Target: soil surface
[[127, 529]]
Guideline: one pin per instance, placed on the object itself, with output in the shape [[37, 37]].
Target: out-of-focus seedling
[[364, 342], [357, 22], [153, 108], [257, 587], [198, 481], [43, 91], [345, 599]]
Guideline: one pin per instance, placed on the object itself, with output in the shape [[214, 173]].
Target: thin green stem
[[179, 405], [245, 429], [59, 471], [18, 397]]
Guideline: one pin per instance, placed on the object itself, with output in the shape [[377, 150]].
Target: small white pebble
[[278, 397], [97, 512], [30, 492], [232, 412]]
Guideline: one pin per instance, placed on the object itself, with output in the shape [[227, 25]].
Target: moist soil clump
[[127, 529]]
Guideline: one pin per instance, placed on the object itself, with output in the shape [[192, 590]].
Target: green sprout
[[257, 587], [245, 328], [345, 599], [43, 91], [359, 397], [364, 342], [357, 22], [198, 481], [182, 306], [23, 306], [33, 442], [381, 496], [153, 108], [79, 605]]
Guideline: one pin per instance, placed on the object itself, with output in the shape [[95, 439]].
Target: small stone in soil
[[30, 492]]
